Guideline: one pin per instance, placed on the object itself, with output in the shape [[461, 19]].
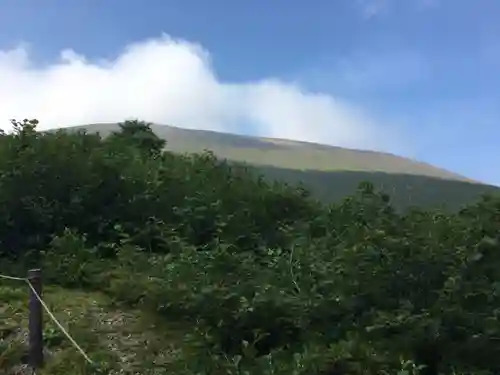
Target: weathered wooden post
[[35, 320]]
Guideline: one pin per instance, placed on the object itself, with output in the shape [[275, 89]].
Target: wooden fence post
[[35, 320]]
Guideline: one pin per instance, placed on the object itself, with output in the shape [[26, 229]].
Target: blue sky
[[419, 78]]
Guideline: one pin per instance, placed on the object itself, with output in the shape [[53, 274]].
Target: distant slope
[[285, 154], [330, 172], [405, 190]]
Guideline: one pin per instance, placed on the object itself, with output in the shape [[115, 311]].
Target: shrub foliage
[[273, 281]]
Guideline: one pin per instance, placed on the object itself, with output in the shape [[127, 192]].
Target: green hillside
[[159, 264], [405, 190], [331, 173]]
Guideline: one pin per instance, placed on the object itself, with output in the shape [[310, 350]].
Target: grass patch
[[117, 339]]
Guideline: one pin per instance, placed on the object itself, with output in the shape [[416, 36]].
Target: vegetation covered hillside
[[331, 173], [159, 263]]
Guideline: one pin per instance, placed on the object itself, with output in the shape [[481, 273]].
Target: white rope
[[59, 324], [12, 278], [75, 344]]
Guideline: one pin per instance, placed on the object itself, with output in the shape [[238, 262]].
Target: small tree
[[26, 127], [141, 135]]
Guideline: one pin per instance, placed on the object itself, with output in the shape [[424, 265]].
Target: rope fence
[[36, 303]]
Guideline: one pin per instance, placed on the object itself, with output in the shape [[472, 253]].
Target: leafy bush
[[273, 282]]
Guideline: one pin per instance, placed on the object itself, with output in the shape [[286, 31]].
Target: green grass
[[120, 340]]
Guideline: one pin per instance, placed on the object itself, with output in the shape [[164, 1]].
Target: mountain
[[330, 172]]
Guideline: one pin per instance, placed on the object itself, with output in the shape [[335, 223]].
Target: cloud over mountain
[[171, 81]]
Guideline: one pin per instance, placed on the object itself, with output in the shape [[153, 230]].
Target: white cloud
[[372, 8], [382, 70], [170, 81], [375, 8]]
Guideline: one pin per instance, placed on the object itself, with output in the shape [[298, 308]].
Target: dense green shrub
[[274, 282]]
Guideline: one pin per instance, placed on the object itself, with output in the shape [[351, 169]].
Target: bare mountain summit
[[330, 172]]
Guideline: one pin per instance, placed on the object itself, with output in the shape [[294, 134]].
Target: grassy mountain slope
[[331, 173]]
